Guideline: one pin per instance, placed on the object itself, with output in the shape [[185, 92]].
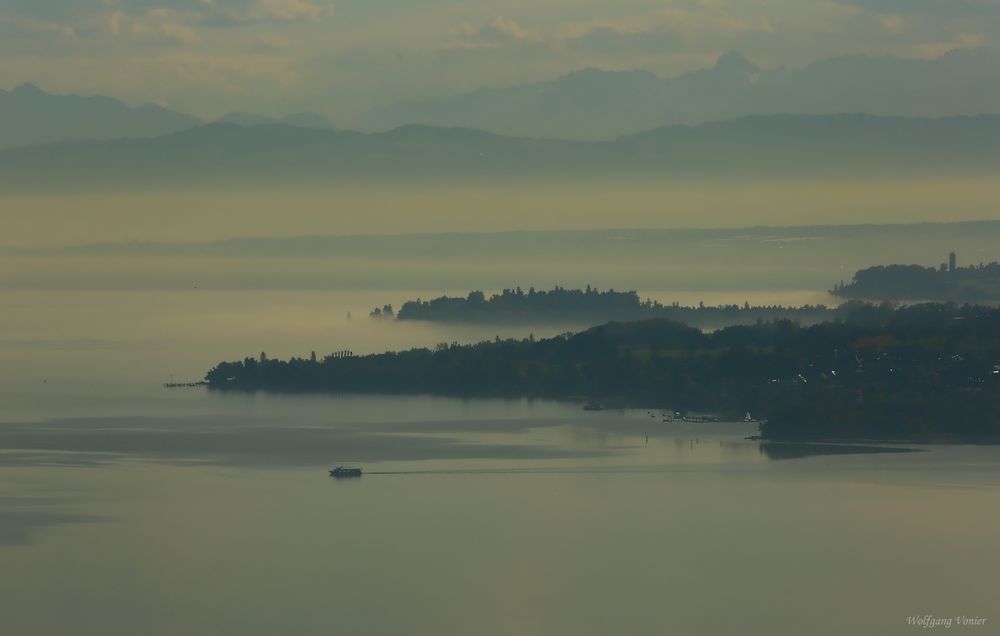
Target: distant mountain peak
[[245, 119], [734, 62], [301, 120], [30, 116], [28, 88], [592, 72], [307, 120]]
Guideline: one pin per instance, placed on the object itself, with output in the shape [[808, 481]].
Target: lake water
[[126, 508]]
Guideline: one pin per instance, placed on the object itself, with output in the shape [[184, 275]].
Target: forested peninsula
[[590, 306], [927, 372], [977, 283]]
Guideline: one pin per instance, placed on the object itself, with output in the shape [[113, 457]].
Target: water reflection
[[276, 431], [493, 517], [23, 517], [227, 442], [791, 450]]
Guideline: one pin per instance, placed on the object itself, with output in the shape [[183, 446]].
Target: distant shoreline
[[921, 373], [945, 283], [591, 307]]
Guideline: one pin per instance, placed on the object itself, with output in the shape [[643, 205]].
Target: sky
[[210, 57]]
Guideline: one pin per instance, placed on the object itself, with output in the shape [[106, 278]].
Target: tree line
[[576, 306], [913, 282], [924, 372]]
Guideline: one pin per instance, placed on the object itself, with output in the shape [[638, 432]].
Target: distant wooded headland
[[947, 282], [922, 373], [590, 306]]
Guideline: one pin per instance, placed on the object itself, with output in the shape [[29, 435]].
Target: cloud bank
[[271, 56]]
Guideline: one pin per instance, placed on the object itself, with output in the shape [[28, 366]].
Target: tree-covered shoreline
[[945, 283], [920, 373], [591, 306]]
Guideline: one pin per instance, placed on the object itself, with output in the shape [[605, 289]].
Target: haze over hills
[[588, 104], [780, 145], [302, 120], [675, 260], [29, 115], [600, 104]]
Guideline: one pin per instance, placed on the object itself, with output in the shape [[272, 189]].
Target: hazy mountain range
[[50, 141], [31, 116], [777, 145], [596, 104], [303, 120], [587, 104]]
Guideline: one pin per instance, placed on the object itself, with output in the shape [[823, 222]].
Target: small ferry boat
[[344, 471]]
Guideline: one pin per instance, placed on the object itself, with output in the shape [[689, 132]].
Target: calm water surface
[[126, 508]]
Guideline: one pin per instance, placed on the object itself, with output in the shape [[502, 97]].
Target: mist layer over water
[[484, 205], [139, 509], [136, 509], [215, 513]]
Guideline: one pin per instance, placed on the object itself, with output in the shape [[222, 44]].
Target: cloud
[[271, 42], [892, 23], [608, 39], [261, 11], [685, 26], [233, 74], [37, 27], [501, 28], [166, 19], [494, 32], [939, 8], [156, 24], [377, 51], [930, 50], [151, 25]]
